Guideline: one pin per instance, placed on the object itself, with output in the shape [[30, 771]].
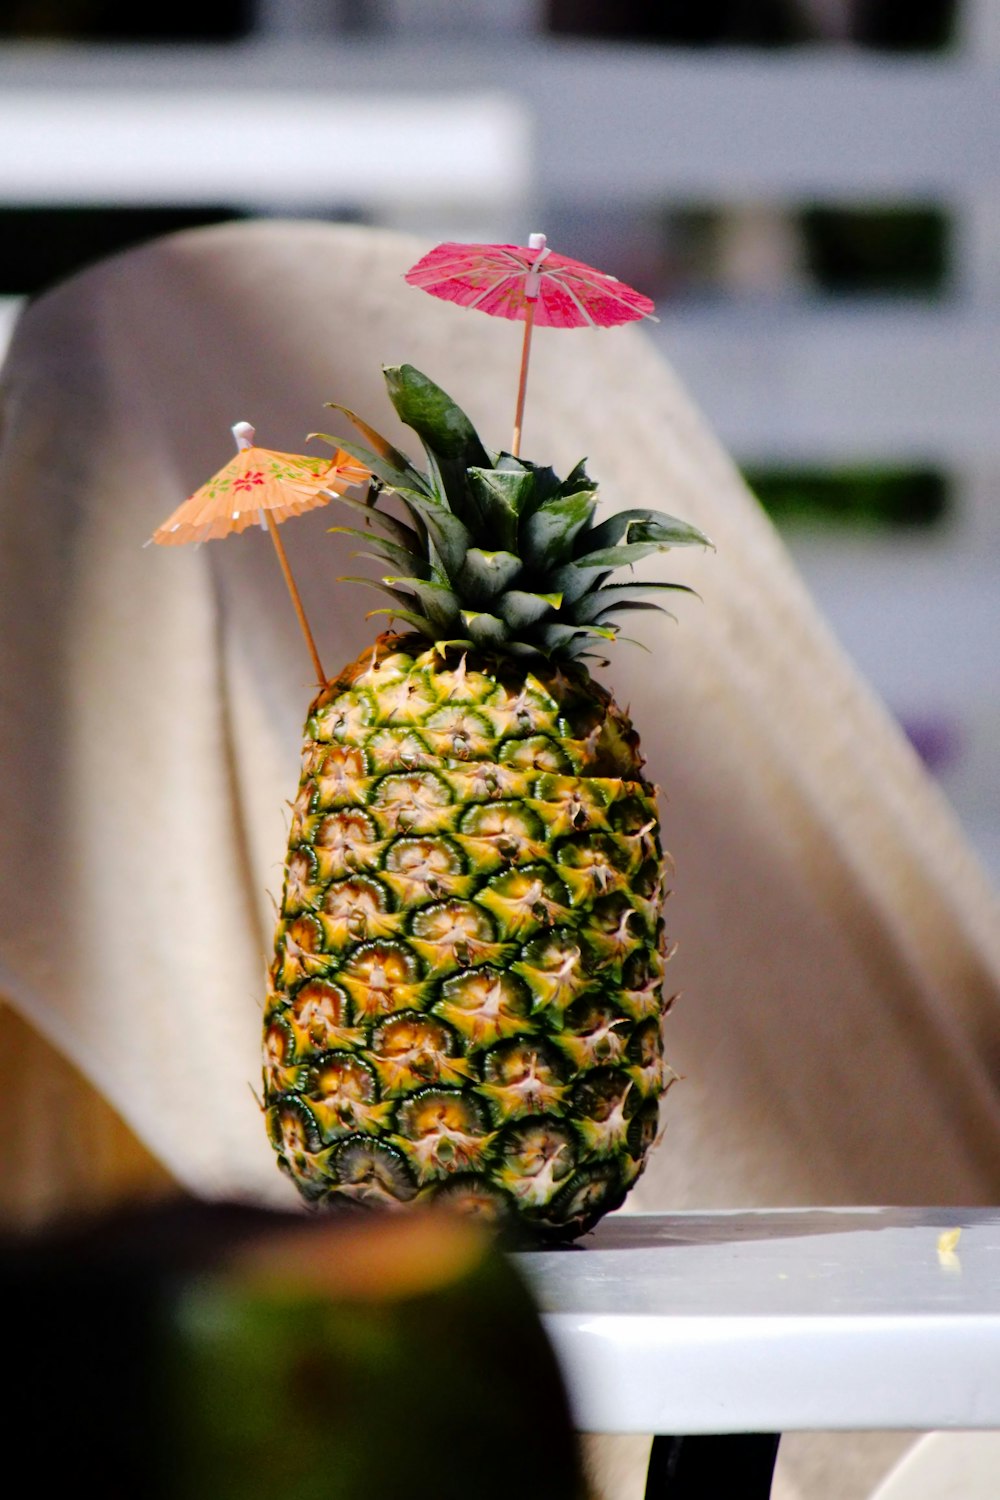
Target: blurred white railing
[[611, 123], [147, 142], [437, 134]]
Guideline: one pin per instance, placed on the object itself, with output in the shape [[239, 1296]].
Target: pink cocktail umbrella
[[533, 284]]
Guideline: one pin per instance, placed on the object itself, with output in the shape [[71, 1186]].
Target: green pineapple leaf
[[550, 532], [451, 442], [484, 575], [404, 536], [451, 537], [617, 557], [401, 609], [437, 600], [546, 481], [624, 606], [484, 628], [618, 595], [382, 446], [631, 522], [385, 551], [389, 472], [419, 622], [440, 424], [502, 496], [380, 584], [576, 478], [561, 638], [666, 531], [498, 543], [520, 608], [573, 582]]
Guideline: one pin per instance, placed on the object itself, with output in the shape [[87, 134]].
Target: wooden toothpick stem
[[279, 547], [522, 385]]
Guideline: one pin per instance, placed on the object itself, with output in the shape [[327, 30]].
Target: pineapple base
[[467, 989]]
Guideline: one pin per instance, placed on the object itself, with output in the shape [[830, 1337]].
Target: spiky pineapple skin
[[467, 991]]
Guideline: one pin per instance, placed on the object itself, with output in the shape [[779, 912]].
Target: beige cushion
[[64, 1150], [946, 1466], [839, 948]]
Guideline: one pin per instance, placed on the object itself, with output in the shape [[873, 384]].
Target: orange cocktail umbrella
[[260, 486], [533, 284]]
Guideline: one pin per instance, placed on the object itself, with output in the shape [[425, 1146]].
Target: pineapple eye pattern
[[342, 1078], [344, 842], [340, 769], [538, 1156], [460, 732], [380, 977], [511, 830], [537, 752], [399, 750], [643, 1130], [477, 1198], [361, 897], [442, 1131], [596, 858], [319, 1009], [342, 719], [370, 1172], [304, 937], [343, 766], [423, 868], [484, 1005], [596, 1190], [467, 992], [454, 922], [279, 1044], [411, 804], [502, 820], [295, 1136]]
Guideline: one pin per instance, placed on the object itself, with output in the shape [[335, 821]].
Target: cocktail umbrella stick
[[532, 288], [244, 435], [279, 547], [522, 384]]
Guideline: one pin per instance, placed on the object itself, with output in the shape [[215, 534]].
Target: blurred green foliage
[[124, 21], [856, 499], [440, 1395], [891, 248], [195, 1351], [893, 25]]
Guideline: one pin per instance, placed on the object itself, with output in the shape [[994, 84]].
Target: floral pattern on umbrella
[[256, 481], [501, 280]]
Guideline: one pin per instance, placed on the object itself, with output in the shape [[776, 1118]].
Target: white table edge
[[761, 1373]]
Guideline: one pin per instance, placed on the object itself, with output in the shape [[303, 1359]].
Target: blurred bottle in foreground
[[221, 1353]]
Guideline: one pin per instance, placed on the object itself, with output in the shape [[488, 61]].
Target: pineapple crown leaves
[[495, 551]]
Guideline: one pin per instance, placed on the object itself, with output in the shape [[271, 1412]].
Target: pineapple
[[467, 989]]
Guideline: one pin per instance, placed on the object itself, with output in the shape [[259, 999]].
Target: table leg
[[712, 1467]]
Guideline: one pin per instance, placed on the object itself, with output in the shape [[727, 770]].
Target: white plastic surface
[[777, 1321]]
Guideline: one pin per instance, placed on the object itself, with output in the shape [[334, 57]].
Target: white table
[[764, 1322]]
